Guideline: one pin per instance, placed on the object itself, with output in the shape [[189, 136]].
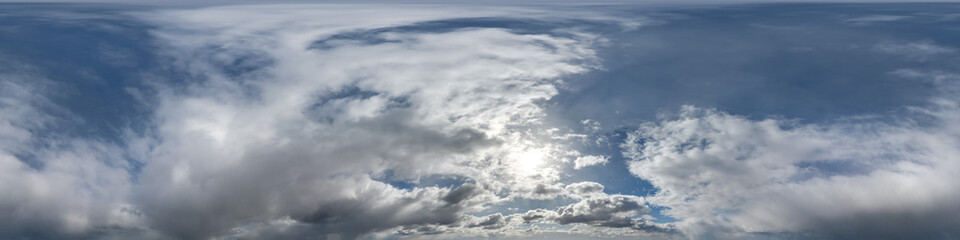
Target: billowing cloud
[[856, 178], [313, 120], [615, 211]]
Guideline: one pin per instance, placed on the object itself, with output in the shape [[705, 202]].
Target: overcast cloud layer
[[366, 121]]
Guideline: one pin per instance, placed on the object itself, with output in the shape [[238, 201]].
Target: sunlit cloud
[[479, 120]]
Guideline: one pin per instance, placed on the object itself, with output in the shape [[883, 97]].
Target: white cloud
[[589, 160], [300, 136], [858, 178], [53, 184]]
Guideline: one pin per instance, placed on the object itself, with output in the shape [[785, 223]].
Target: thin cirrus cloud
[[54, 185]]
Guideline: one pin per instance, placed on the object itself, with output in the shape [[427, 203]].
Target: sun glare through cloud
[[479, 120]]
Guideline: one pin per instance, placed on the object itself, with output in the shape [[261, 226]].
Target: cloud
[[858, 178], [613, 211], [289, 126], [917, 51], [867, 20], [492, 221], [583, 188], [601, 211], [591, 125], [589, 160], [54, 185], [285, 121]]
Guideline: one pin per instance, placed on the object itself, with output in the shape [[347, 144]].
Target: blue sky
[[463, 120]]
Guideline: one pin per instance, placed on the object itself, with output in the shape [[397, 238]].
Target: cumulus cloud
[[602, 211], [589, 160], [856, 178], [583, 188], [615, 211]]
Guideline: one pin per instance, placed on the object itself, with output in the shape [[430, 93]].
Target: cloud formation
[[298, 121], [856, 178], [285, 120], [311, 124], [601, 210], [54, 185]]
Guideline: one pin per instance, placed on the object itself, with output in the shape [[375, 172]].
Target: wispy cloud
[[867, 20], [54, 185], [918, 51]]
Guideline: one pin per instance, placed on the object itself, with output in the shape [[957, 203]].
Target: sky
[[337, 120]]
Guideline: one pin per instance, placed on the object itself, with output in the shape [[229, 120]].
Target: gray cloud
[[589, 160], [582, 188], [601, 211], [614, 211], [492, 221]]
